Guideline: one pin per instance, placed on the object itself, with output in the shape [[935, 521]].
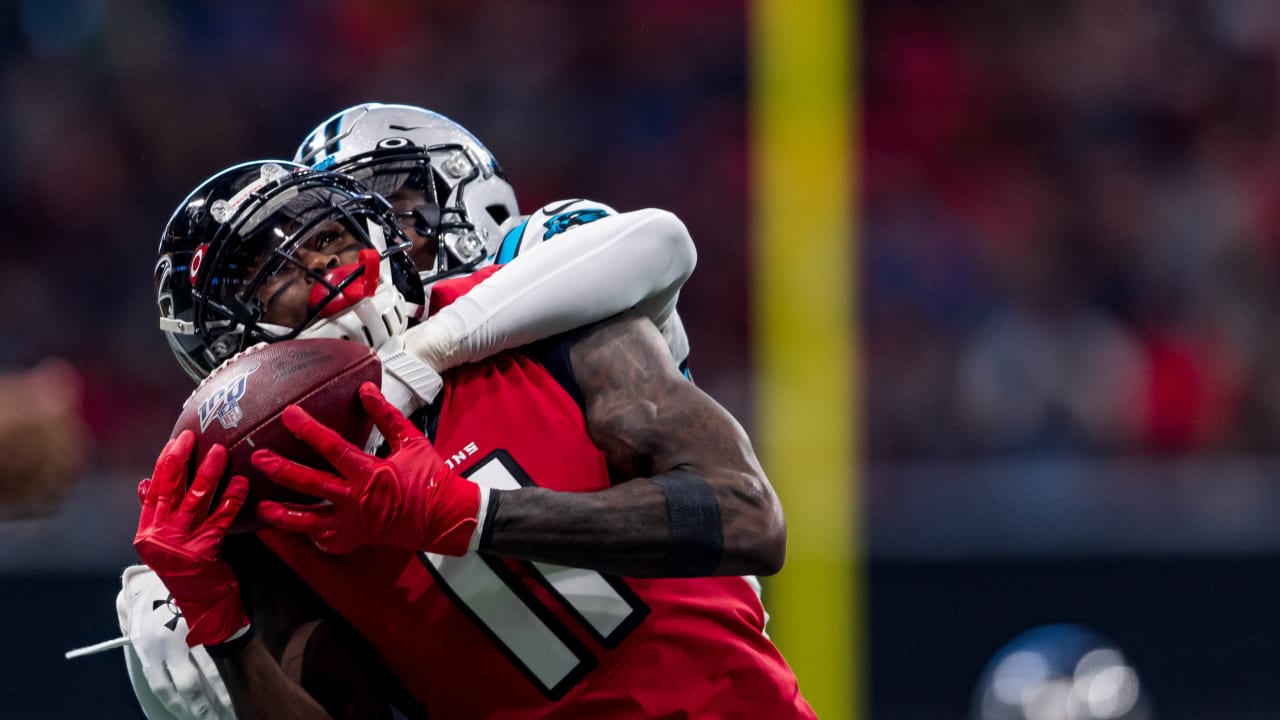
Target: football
[[240, 403]]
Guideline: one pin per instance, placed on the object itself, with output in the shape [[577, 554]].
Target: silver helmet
[[463, 203]]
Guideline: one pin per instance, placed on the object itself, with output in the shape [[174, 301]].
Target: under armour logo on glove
[[168, 602]]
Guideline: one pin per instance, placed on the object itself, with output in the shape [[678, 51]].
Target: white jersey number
[[515, 619]]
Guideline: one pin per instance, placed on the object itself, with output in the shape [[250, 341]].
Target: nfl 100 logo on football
[[224, 402]]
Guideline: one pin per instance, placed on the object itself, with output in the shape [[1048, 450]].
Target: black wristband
[[693, 519], [230, 647]]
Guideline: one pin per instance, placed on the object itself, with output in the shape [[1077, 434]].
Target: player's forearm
[[675, 524], [650, 423], [259, 687], [638, 259]]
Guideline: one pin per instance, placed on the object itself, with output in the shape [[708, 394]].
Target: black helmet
[[248, 225]]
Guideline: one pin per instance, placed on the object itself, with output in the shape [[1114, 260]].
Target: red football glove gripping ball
[[410, 499], [181, 544]]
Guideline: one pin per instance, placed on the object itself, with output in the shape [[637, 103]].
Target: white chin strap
[[372, 321]]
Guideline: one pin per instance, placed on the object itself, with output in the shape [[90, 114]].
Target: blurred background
[[1068, 284]]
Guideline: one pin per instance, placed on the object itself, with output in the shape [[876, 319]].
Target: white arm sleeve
[[591, 272]]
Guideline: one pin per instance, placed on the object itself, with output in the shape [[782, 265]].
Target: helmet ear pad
[[426, 217], [404, 277]]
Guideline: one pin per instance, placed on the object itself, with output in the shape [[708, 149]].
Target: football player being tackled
[[441, 179], [584, 548]]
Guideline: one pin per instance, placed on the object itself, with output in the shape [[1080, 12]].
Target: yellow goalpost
[[808, 374]]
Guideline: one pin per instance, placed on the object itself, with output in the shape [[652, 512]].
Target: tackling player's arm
[[299, 644], [258, 685], [694, 500], [584, 273], [300, 662]]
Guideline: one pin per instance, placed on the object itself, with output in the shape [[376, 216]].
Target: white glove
[[172, 681]]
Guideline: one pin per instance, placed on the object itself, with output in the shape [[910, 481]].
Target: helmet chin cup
[[373, 321], [426, 216]]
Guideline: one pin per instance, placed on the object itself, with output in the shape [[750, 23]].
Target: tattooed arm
[[697, 501]]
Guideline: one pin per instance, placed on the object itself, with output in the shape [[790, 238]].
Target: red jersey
[[483, 637]]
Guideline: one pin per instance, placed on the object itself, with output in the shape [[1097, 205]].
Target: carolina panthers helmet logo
[[224, 403], [563, 221]]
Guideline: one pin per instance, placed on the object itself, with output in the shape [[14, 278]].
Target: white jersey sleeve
[[567, 265]]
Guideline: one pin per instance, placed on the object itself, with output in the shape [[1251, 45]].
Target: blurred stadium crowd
[[1070, 232], [113, 111], [1072, 227]]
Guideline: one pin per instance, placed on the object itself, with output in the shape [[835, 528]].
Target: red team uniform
[[484, 637]]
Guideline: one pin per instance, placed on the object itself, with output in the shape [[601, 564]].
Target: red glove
[[410, 500], [181, 544]]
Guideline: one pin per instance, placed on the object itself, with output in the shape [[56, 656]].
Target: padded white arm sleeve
[[636, 260]]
